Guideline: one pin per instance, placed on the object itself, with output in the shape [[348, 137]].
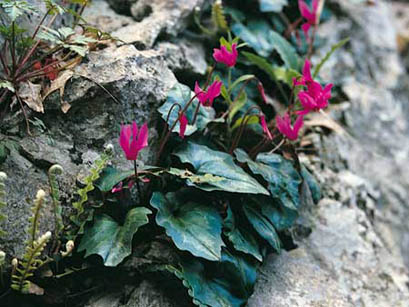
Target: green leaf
[[262, 225], [8, 85], [181, 94], [256, 34], [251, 120], [196, 179], [110, 240], [263, 39], [16, 8], [110, 177], [282, 178], [239, 80], [328, 55], [312, 184], [242, 240], [286, 51], [281, 217], [228, 283], [237, 106], [272, 5], [193, 227], [261, 63], [285, 74], [208, 161]]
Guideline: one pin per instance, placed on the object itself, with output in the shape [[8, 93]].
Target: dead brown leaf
[[59, 84], [30, 93]]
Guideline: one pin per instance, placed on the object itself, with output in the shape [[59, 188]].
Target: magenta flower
[[285, 128], [310, 15], [182, 125], [315, 99], [260, 88], [117, 188], [206, 98], [224, 56], [306, 75], [264, 126], [131, 141]]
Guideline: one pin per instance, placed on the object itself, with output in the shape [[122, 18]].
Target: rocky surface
[[358, 248], [359, 243]]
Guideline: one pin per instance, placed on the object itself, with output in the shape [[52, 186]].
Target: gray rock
[[101, 16], [342, 263], [184, 56], [155, 17], [375, 84], [140, 81]]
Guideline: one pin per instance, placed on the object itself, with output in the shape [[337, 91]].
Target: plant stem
[[311, 47], [137, 180]]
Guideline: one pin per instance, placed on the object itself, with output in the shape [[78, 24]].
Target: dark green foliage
[[193, 227], [180, 95], [110, 240], [208, 161]]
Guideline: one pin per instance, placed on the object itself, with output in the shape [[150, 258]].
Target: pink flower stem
[[243, 124], [137, 180], [167, 119], [278, 146], [165, 140]]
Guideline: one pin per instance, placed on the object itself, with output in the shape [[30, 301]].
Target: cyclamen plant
[[227, 182]]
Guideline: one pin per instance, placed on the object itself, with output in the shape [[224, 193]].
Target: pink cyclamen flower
[[224, 56], [310, 15], [306, 77], [265, 127], [285, 128], [315, 99], [206, 98], [260, 88], [131, 141], [183, 122]]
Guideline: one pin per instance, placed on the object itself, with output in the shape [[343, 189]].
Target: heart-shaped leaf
[[193, 227], [228, 283], [282, 178], [208, 161], [181, 94], [264, 40], [262, 225], [110, 240], [242, 240]]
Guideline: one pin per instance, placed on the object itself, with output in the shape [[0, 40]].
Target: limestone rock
[[154, 18]]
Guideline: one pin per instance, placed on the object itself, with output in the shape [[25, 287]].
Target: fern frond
[[3, 204], [53, 172], [218, 17], [31, 261], [82, 214], [35, 218]]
